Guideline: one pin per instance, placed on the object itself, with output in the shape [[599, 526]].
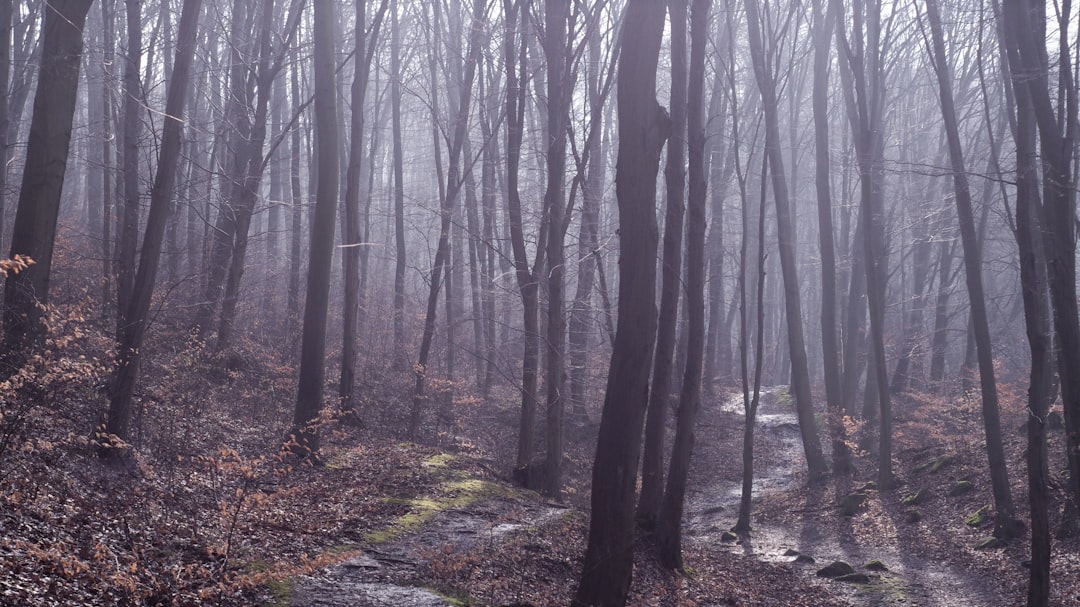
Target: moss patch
[[463, 492]]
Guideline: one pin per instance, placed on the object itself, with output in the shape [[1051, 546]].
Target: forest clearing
[[518, 303]]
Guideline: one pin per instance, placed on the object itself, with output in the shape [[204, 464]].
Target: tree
[[132, 122], [800, 371], [652, 466], [43, 174], [643, 126], [1005, 523], [669, 525], [823, 31], [557, 14], [136, 316], [1058, 132], [362, 54], [309, 392]]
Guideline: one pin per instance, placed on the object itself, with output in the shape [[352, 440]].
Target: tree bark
[[1005, 521], [34, 229], [669, 525], [304, 440], [800, 371], [643, 127], [652, 463], [161, 202]]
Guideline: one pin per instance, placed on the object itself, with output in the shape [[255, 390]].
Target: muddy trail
[[389, 570], [909, 578]]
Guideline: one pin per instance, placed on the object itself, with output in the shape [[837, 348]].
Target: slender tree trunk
[[1006, 524], [652, 464], [669, 525], [800, 371], [399, 189], [823, 27], [304, 439], [132, 112], [1033, 277], [1026, 22], [643, 127], [515, 62], [162, 199]]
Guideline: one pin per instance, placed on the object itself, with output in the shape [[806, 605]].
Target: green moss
[[916, 498], [439, 460], [464, 493], [282, 592], [979, 517]]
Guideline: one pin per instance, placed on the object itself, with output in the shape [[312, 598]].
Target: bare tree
[[764, 67], [643, 127], [309, 392], [43, 174], [136, 317]]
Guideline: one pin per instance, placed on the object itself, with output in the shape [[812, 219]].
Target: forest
[[539, 302]]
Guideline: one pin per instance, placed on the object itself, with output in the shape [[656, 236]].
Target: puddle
[[910, 579]]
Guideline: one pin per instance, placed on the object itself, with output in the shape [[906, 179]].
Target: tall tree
[[515, 62], [652, 465], [399, 188], [362, 54], [830, 347], [557, 16], [162, 196], [1005, 523], [452, 189], [764, 71], [1058, 133], [309, 392], [643, 126], [43, 173], [669, 525], [128, 235]]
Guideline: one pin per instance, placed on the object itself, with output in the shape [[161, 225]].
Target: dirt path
[[388, 573], [911, 579]]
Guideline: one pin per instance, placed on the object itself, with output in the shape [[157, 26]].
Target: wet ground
[[910, 578], [387, 574]]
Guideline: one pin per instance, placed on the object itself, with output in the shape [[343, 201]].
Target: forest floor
[[208, 513]]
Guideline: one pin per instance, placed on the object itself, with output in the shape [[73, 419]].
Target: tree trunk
[[830, 347], [1005, 521], [800, 371], [161, 202], [304, 440], [43, 174], [652, 463], [669, 525], [559, 85], [401, 360], [132, 111], [643, 127], [1026, 22], [515, 63], [1033, 279]]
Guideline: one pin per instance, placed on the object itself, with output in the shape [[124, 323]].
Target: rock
[[960, 488], [870, 486], [791, 552], [804, 559], [852, 504], [979, 517], [835, 569], [713, 510], [728, 536], [875, 566], [916, 498], [987, 543], [854, 578], [911, 515]]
